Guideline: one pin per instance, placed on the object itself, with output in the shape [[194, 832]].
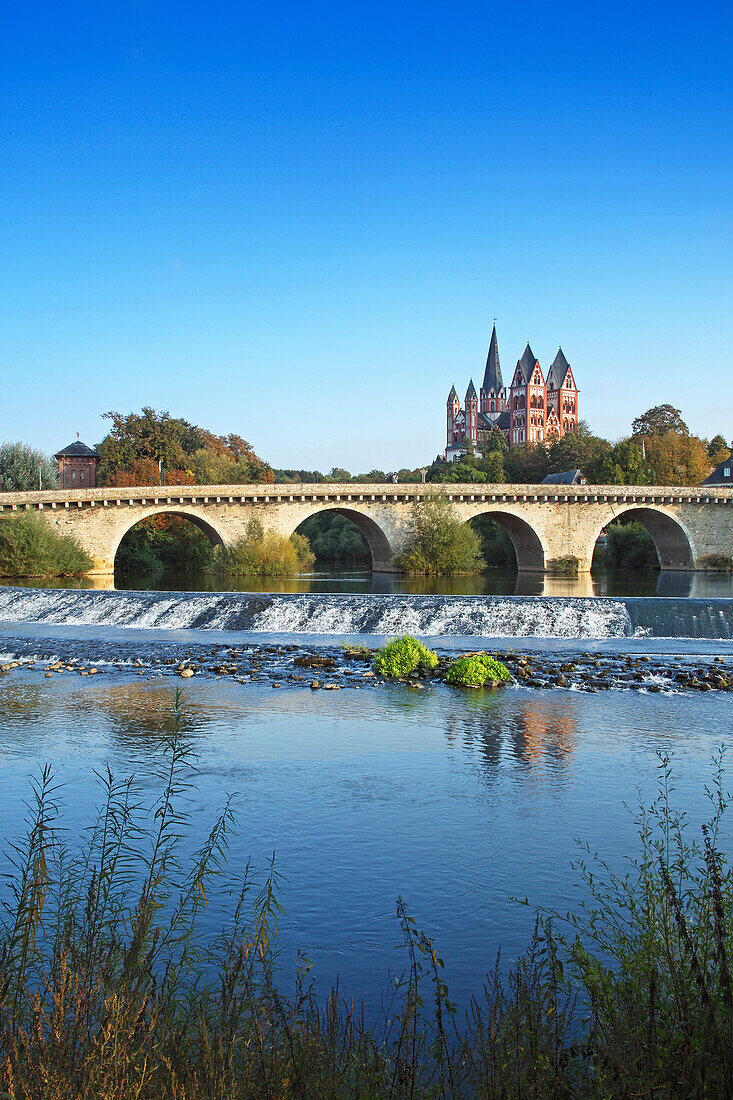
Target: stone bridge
[[546, 523]]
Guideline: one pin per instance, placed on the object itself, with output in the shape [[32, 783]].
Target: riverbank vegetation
[[112, 984], [171, 544], [30, 548], [263, 553], [439, 542]]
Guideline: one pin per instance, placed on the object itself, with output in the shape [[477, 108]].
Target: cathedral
[[534, 409]]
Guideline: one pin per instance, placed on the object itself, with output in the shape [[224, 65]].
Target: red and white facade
[[535, 408]]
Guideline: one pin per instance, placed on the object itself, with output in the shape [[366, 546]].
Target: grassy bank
[[109, 990], [30, 548]]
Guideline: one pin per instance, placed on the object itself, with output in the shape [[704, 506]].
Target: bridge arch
[[527, 545], [203, 524], [671, 540], [378, 543]]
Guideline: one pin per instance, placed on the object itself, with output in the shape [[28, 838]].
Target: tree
[[658, 421], [577, 450], [718, 449], [623, 464], [21, 467], [527, 464], [148, 447], [677, 459]]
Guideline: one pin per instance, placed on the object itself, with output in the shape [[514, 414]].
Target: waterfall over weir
[[430, 616]]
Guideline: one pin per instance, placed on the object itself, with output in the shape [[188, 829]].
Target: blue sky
[[298, 221]]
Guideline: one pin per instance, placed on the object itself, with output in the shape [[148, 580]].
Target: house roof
[[492, 374], [567, 477], [719, 476], [77, 449]]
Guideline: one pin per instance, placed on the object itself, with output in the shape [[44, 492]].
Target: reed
[[110, 990]]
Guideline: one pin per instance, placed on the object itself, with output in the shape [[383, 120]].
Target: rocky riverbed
[[339, 667]]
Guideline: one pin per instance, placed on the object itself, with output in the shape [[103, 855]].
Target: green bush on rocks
[[402, 656], [475, 669]]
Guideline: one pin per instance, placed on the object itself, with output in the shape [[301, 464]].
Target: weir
[[378, 615], [551, 526]]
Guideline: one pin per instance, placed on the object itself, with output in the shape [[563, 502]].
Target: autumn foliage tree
[[154, 448]]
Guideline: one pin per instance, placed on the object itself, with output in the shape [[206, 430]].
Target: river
[[457, 801]]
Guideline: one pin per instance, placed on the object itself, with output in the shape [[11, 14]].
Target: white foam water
[[324, 614]]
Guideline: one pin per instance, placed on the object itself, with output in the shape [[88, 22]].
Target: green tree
[[439, 543], [659, 420], [577, 450], [623, 464], [21, 467], [526, 464]]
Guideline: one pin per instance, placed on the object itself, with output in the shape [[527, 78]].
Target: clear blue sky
[[297, 221]]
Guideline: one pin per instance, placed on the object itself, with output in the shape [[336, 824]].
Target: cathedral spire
[[492, 374]]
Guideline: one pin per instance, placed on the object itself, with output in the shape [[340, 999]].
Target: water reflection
[[537, 734], [669, 583]]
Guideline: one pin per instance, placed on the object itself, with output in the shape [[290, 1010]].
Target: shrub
[[439, 542], [30, 548], [475, 669], [717, 563], [567, 567], [263, 553], [402, 656]]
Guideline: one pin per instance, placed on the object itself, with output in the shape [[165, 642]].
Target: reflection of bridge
[[546, 523]]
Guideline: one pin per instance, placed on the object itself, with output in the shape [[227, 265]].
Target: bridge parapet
[[547, 523]]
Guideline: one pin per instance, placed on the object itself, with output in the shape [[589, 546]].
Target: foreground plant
[[402, 656], [476, 670], [111, 990]]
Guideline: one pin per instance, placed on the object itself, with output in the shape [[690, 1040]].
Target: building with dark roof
[[77, 466], [722, 474], [534, 409], [567, 477]]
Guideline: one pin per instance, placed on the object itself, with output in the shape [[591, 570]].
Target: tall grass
[[30, 548], [109, 990]]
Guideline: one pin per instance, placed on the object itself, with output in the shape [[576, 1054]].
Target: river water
[[457, 801]]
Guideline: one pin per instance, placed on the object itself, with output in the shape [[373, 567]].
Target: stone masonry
[[547, 523]]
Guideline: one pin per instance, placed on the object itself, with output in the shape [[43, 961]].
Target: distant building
[[77, 466], [722, 474], [534, 409], [567, 477]]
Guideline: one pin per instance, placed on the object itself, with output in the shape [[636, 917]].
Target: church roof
[[557, 372], [526, 364], [471, 391], [452, 395], [492, 374], [504, 421], [78, 449]]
